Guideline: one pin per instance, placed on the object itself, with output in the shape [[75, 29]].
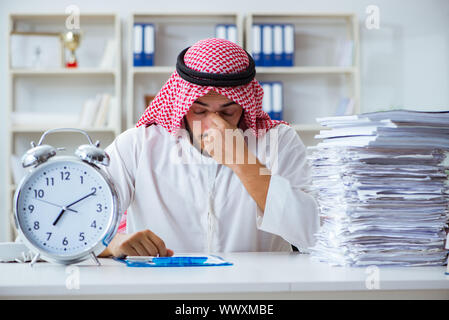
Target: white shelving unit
[[173, 33], [313, 87], [30, 88]]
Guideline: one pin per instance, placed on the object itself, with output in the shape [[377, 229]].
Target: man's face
[[204, 106]]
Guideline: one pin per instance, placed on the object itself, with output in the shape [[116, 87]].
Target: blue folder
[[176, 261]]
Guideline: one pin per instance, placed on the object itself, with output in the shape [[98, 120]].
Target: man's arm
[[246, 166], [287, 209], [255, 183]]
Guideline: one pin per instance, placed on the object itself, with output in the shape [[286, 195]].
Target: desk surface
[[253, 275]]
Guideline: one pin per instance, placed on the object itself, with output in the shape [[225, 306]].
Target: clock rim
[[105, 238]]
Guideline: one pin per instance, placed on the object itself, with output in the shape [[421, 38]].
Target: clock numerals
[[94, 224], [36, 225], [81, 236], [31, 208], [82, 179], [99, 208], [49, 235], [65, 175], [65, 242], [39, 193], [50, 181]]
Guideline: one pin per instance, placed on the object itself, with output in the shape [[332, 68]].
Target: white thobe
[[195, 204]]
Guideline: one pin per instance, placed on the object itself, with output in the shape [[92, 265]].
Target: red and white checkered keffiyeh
[[212, 56], [176, 97]]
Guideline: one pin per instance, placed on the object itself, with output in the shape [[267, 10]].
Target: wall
[[404, 63]]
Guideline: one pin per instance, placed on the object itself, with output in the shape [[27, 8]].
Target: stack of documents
[[380, 180]]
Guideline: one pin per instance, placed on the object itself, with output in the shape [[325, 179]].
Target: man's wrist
[[249, 169]]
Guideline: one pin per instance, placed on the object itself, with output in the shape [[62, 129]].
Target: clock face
[[65, 208]]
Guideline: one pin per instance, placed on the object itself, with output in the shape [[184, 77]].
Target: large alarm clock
[[66, 208]]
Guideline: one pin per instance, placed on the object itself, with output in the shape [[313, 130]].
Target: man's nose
[[207, 121]]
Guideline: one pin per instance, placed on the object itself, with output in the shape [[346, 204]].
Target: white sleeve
[[123, 153], [290, 212]]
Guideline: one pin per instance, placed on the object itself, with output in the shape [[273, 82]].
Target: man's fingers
[[159, 243], [150, 247], [143, 243], [140, 249], [218, 120], [128, 250]]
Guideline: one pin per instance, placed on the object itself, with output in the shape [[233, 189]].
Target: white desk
[[253, 276]]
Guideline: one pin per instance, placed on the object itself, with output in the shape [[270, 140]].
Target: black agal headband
[[215, 79]]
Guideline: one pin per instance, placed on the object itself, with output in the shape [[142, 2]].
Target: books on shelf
[[381, 183], [344, 53], [108, 60], [143, 44], [345, 107], [99, 112], [272, 102], [273, 45], [226, 31]]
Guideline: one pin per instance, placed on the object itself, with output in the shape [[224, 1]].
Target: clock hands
[[56, 205], [65, 208]]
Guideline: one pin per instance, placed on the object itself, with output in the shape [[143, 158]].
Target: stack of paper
[[381, 183]]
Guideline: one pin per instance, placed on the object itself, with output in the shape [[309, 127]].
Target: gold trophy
[[71, 41]]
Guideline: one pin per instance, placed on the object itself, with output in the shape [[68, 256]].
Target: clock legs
[[94, 257], [36, 257]]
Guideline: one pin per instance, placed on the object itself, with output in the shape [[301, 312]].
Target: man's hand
[[225, 143], [233, 152], [141, 243]]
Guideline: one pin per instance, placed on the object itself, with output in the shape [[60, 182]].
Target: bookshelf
[[29, 89], [316, 82], [173, 33]]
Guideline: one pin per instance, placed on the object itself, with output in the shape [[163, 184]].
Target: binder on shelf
[[148, 44], [267, 101], [267, 45], [220, 31], [289, 45], [257, 44], [226, 31], [277, 105], [278, 46], [231, 32], [138, 45]]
